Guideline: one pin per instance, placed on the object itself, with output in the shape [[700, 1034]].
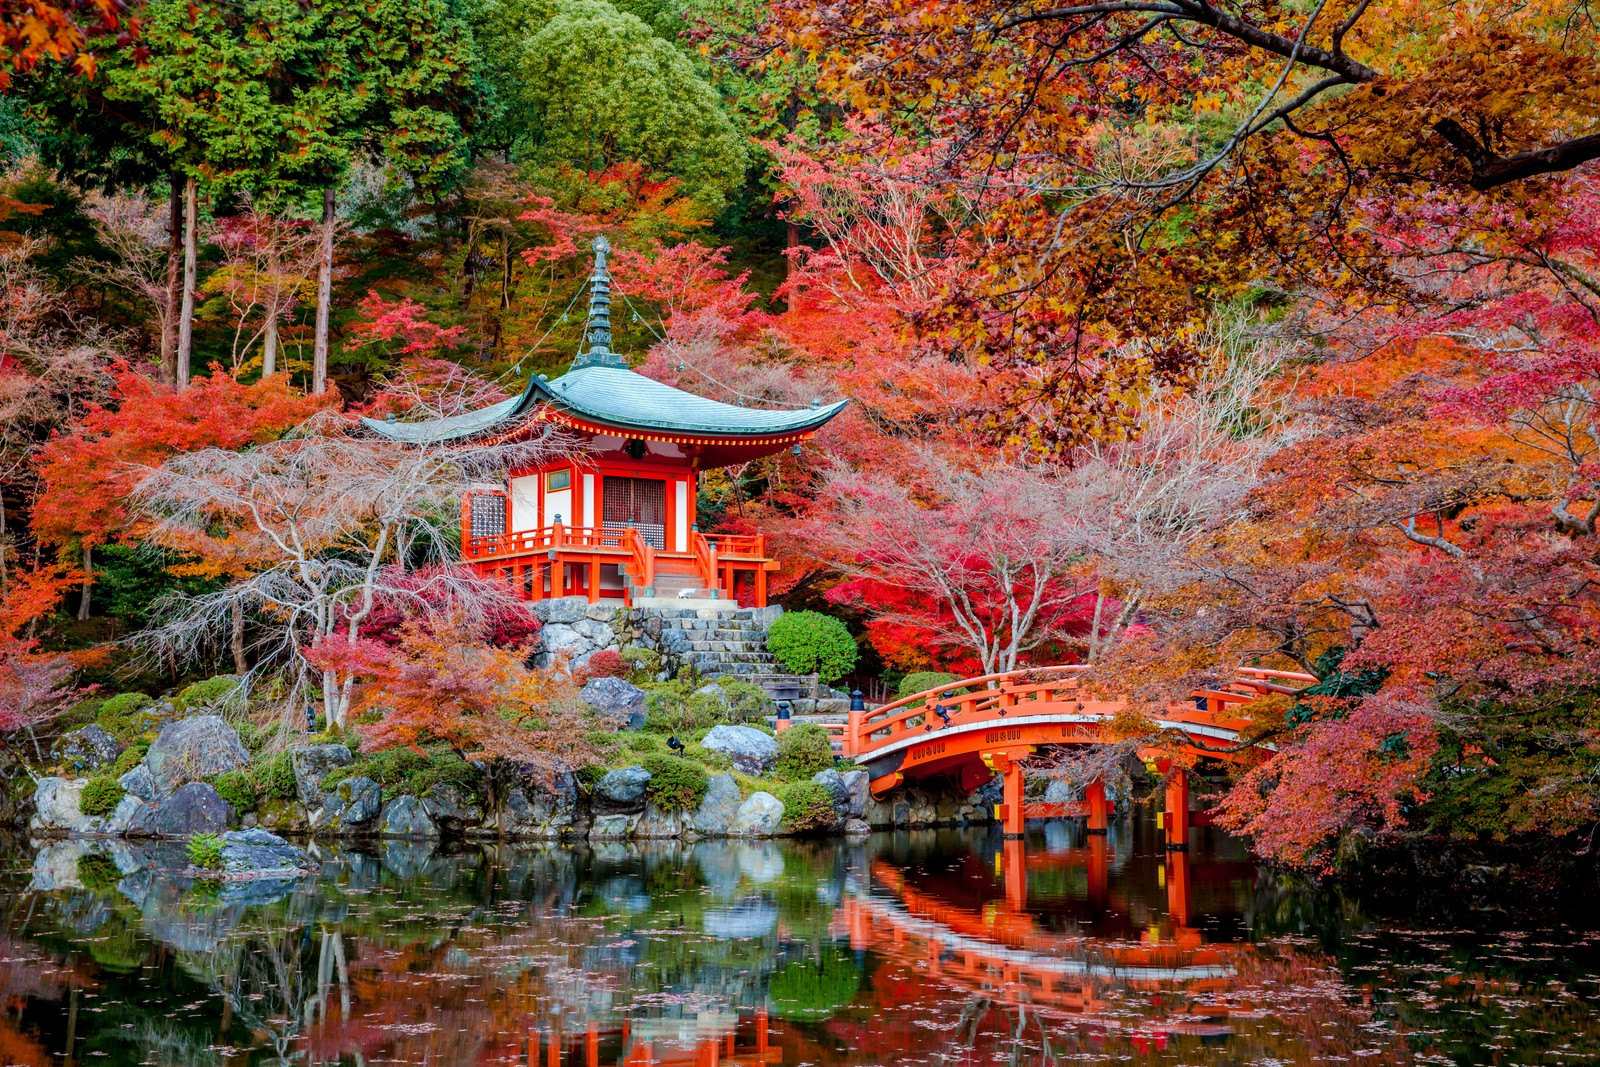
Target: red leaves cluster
[[86, 475]]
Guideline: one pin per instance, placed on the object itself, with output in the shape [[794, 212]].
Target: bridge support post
[[1014, 822], [1015, 868], [1178, 889], [1176, 821], [1099, 809]]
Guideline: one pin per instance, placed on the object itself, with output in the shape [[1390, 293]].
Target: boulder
[[857, 828], [86, 749], [612, 827], [560, 643], [565, 610], [760, 816], [311, 763], [56, 808], [622, 790], [719, 807], [658, 823], [452, 808], [617, 698], [675, 641], [858, 785], [122, 817], [192, 749], [263, 854], [531, 811], [752, 751], [597, 634], [833, 782], [1061, 791], [282, 816], [407, 817], [351, 806], [139, 783], [194, 808]]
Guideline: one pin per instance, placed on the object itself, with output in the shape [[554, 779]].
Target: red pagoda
[[616, 519]]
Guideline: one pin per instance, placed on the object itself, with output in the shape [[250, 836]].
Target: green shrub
[[920, 681], [803, 751], [205, 851], [590, 776], [130, 757], [678, 707], [98, 872], [675, 783], [808, 807], [101, 795], [273, 778], [917, 681], [644, 743], [808, 642], [237, 788], [643, 664], [120, 715], [207, 694], [402, 771]]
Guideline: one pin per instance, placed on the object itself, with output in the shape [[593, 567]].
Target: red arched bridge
[[969, 730]]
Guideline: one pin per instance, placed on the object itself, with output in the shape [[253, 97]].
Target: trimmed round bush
[[607, 663], [237, 788], [101, 796], [206, 694], [808, 807], [809, 642], [644, 743], [130, 757], [675, 784], [273, 778], [119, 715], [803, 751]]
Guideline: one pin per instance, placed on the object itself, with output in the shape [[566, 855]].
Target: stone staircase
[[730, 641]]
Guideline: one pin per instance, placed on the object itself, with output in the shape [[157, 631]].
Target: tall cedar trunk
[[88, 580], [240, 665], [319, 352], [186, 315], [169, 321]]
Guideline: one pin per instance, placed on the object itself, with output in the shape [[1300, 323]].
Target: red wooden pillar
[[553, 1057], [1013, 796], [591, 1045], [1099, 871], [1099, 809], [761, 585], [1176, 820], [1178, 888], [1016, 876], [761, 1031], [594, 579]]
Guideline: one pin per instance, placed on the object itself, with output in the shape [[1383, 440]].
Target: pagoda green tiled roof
[[609, 395]]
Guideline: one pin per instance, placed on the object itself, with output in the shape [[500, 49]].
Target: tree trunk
[[88, 580], [169, 321], [319, 352], [269, 341], [186, 314], [505, 271], [4, 576], [240, 665]]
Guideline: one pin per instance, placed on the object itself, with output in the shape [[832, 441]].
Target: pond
[[935, 947]]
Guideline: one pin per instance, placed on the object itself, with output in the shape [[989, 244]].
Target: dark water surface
[[938, 948]]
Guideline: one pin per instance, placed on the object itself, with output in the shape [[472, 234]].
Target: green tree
[[593, 86]]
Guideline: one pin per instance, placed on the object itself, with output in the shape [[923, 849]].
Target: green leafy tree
[[590, 85]]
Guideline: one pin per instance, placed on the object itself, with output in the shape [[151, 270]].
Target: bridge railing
[[993, 697]]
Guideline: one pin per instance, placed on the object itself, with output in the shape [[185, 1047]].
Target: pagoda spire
[[597, 333]]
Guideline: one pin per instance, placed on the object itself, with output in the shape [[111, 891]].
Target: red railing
[[1035, 690], [556, 537], [642, 562]]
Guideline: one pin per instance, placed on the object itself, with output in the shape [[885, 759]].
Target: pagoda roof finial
[[597, 334]]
